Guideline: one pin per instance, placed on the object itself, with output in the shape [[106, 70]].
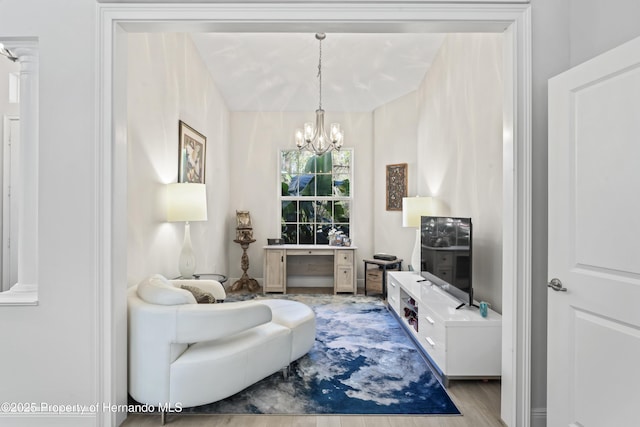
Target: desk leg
[[384, 282], [365, 278]]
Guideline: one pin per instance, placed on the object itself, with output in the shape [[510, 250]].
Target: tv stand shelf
[[410, 312], [459, 343]]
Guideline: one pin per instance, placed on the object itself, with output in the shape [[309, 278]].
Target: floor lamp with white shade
[[412, 209], [186, 202]]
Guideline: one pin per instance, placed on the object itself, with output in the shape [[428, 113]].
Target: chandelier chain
[[315, 138], [320, 75]]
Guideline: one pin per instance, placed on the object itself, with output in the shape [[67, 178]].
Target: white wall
[[49, 351], [550, 56], [600, 25], [460, 147], [565, 33], [256, 139], [168, 82], [396, 141]]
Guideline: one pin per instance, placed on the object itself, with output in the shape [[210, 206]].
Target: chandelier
[[315, 138]]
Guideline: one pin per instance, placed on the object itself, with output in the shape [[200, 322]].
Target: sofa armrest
[[212, 286], [205, 322]]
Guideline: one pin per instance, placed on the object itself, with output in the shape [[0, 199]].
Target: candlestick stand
[[245, 282]]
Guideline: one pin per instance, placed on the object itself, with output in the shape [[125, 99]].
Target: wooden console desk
[[275, 265]]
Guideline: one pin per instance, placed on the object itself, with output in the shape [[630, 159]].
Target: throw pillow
[[158, 290], [201, 296]]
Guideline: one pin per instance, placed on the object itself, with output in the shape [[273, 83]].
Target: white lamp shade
[[186, 202], [415, 207]]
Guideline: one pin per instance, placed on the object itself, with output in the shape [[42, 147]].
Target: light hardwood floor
[[479, 402]]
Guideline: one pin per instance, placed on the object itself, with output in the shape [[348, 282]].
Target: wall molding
[[539, 417]]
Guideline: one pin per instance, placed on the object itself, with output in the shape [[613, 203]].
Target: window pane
[[324, 163], [306, 213], [341, 213], [289, 162], [307, 184], [289, 211], [302, 185], [322, 234], [341, 162], [285, 185], [307, 163], [290, 234], [343, 227], [341, 186], [324, 185], [324, 211], [306, 234]]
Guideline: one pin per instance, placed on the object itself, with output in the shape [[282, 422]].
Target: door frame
[[116, 20], [9, 210]]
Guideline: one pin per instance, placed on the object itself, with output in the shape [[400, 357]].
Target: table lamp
[[412, 209], [186, 202]]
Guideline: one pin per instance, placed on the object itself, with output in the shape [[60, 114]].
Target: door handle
[[556, 285]]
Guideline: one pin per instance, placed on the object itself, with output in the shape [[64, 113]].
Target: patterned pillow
[[201, 296]]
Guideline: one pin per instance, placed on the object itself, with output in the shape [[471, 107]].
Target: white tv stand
[[459, 343]]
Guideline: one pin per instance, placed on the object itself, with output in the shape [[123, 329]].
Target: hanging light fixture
[[315, 138]]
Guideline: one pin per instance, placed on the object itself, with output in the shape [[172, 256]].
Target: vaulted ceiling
[[278, 71]]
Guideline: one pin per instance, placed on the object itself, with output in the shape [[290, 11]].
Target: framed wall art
[[243, 219], [396, 186], [193, 146]]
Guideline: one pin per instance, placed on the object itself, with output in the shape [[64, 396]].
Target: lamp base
[[187, 260]]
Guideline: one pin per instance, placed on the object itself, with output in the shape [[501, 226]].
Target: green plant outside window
[[315, 195]]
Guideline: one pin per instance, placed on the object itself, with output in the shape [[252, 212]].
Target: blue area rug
[[362, 363]]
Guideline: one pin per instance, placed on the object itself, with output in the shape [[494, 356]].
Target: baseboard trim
[[539, 417]]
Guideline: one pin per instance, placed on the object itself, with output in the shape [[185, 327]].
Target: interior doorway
[[513, 21]]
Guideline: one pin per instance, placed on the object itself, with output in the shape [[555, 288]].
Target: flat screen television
[[446, 254]]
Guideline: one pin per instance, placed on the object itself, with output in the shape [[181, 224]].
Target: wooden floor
[[479, 402]]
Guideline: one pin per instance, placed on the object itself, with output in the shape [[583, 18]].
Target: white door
[[594, 242]]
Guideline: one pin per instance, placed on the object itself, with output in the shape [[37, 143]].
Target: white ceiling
[[278, 71]]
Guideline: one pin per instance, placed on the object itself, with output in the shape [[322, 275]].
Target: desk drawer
[[430, 326], [435, 350], [393, 295], [344, 279], [344, 257], [374, 275], [309, 252], [374, 280]]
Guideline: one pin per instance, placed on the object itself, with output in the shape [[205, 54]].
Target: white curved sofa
[[186, 354]]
